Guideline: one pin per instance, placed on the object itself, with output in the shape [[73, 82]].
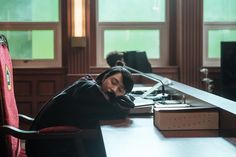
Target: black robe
[[83, 104]]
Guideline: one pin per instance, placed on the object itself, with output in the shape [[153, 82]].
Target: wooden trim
[[189, 38], [91, 33], [78, 41], [172, 33], [51, 71], [66, 30]]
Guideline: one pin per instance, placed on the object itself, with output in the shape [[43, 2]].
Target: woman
[[83, 104]]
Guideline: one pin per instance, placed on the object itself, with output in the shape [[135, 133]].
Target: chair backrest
[[8, 108], [138, 60]]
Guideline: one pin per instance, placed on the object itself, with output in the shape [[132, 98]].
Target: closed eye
[[115, 82]]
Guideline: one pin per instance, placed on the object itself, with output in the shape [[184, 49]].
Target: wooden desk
[[137, 137]]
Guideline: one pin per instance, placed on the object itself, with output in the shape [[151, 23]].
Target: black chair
[[137, 60]]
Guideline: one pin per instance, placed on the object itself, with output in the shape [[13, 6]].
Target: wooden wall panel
[[23, 88], [25, 107], [46, 87], [172, 33], [91, 31], [189, 40], [78, 61], [35, 87]]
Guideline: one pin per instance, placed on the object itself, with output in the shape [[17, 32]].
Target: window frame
[[213, 62], [163, 28], [28, 26]]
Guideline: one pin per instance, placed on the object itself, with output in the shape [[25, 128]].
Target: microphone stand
[[161, 83], [143, 74], [156, 86]]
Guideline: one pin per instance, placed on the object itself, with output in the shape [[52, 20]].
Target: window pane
[[29, 10], [133, 40], [214, 41], [30, 45], [131, 10], [219, 10]]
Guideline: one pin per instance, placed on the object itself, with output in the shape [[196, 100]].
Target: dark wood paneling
[[227, 120], [91, 31], [46, 87], [172, 33], [23, 88], [25, 107], [189, 38], [66, 30], [34, 87], [78, 61]]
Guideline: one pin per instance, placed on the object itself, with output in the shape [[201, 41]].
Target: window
[[219, 25], [142, 27], [32, 28]]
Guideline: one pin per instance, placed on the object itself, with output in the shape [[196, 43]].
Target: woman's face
[[114, 84]]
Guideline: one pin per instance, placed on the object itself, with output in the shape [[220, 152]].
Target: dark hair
[[126, 75], [113, 57]]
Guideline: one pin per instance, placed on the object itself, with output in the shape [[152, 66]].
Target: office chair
[[137, 60], [10, 134]]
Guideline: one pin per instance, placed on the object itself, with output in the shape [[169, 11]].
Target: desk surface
[[137, 137]]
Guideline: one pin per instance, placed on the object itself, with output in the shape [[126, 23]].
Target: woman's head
[[114, 57], [116, 80]]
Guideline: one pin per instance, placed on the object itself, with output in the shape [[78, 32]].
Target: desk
[[207, 97], [137, 137]]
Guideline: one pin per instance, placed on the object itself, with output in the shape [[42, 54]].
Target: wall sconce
[[78, 23]]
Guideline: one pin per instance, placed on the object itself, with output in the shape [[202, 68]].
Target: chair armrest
[[25, 119], [18, 133], [48, 133]]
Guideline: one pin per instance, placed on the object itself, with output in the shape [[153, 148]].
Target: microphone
[[161, 83]]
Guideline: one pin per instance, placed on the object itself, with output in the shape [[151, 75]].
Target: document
[[142, 106]]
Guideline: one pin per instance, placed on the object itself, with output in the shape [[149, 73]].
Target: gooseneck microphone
[[156, 86], [120, 63]]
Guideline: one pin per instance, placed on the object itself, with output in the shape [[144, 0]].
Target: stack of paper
[[142, 106]]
